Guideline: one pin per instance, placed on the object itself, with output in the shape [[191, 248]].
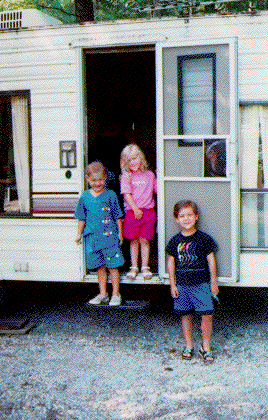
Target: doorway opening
[[121, 109]]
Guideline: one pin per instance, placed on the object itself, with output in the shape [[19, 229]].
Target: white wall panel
[[253, 269], [47, 247], [49, 180]]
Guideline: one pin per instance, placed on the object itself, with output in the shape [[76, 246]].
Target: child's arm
[[213, 273], [120, 228], [138, 212], [171, 273], [80, 230]]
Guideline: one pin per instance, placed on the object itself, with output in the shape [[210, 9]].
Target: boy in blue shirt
[[192, 275], [100, 221]]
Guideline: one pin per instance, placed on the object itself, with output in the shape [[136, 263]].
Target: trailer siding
[[45, 62]]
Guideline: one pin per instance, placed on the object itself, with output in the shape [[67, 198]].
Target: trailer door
[[197, 141]]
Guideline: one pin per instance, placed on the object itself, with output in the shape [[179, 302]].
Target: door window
[[197, 110]]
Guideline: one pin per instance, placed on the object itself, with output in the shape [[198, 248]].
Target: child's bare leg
[[187, 328], [206, 328], [134, 252], [115, 279], [102, 278], [145, 251]]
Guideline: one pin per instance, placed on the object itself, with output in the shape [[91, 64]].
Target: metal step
[[92, 278], [135, 305]]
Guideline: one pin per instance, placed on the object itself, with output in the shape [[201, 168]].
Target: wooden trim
[[108, 50]]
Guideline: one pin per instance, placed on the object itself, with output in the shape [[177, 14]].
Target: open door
[[197, 141], [121, 108]]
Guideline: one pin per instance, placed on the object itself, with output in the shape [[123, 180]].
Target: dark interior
[[121, 107]]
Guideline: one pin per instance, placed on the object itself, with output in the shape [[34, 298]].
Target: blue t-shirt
[[190, 253], [100, 215]]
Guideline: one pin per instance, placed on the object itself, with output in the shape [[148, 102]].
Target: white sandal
[[148, 274], [132, 274]]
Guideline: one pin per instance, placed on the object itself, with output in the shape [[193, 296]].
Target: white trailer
[[197, 93]]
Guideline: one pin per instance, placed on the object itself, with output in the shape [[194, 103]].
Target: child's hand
[[78, 239], [121, 238], [174, 291], [214, 289], [138, 214]]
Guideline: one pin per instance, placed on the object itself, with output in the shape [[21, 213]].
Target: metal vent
[[26, 18], [10, 20]]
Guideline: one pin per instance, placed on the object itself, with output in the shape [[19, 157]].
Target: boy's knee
[[207, 318], [113, 270]]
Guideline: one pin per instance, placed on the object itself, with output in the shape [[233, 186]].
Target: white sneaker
[[115, 301], [97, 300]]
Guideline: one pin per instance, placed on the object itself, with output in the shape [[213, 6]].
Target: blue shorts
[[194, 298], [108, 257]]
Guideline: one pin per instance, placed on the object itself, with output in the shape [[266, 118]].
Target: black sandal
[[206, 356], [187, 354]]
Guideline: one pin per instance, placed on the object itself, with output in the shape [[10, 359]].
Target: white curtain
[[249, 130], [20, 128]]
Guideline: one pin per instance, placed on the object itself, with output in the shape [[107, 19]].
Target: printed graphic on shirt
[[106, 207], [107, 233], [187, 253], [106, 220], [140, 182]]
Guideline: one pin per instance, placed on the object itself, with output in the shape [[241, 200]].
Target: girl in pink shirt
[[138, 185]]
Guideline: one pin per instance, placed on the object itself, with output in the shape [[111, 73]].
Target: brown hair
[[182, 204], [95, 168]]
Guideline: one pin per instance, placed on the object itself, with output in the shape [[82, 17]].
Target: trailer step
[[93, 278], [126, 305], [11, 326]]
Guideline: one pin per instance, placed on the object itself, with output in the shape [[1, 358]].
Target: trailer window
[[254, 175], [14, 152]]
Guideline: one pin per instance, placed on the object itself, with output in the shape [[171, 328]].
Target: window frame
[[27, 94], [261, 247]]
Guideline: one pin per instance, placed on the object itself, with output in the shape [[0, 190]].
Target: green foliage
[[61, 9], [17, 4], [132, 9]]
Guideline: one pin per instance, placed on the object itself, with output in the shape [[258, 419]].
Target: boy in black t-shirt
[[192, 275]]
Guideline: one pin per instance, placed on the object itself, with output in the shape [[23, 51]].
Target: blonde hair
[[95, 168], [131, 149]]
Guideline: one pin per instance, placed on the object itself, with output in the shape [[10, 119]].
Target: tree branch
[[56, 8]]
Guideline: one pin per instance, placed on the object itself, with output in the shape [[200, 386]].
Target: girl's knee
[[144, 241]]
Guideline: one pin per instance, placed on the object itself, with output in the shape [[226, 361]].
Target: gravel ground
[[82, 364]]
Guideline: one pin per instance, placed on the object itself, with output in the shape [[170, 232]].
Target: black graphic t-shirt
[[190, 253]]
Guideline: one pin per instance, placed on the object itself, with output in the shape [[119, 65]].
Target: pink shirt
[[141, 185]]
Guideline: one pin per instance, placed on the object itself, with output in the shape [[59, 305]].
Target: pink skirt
[[143, 228]]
